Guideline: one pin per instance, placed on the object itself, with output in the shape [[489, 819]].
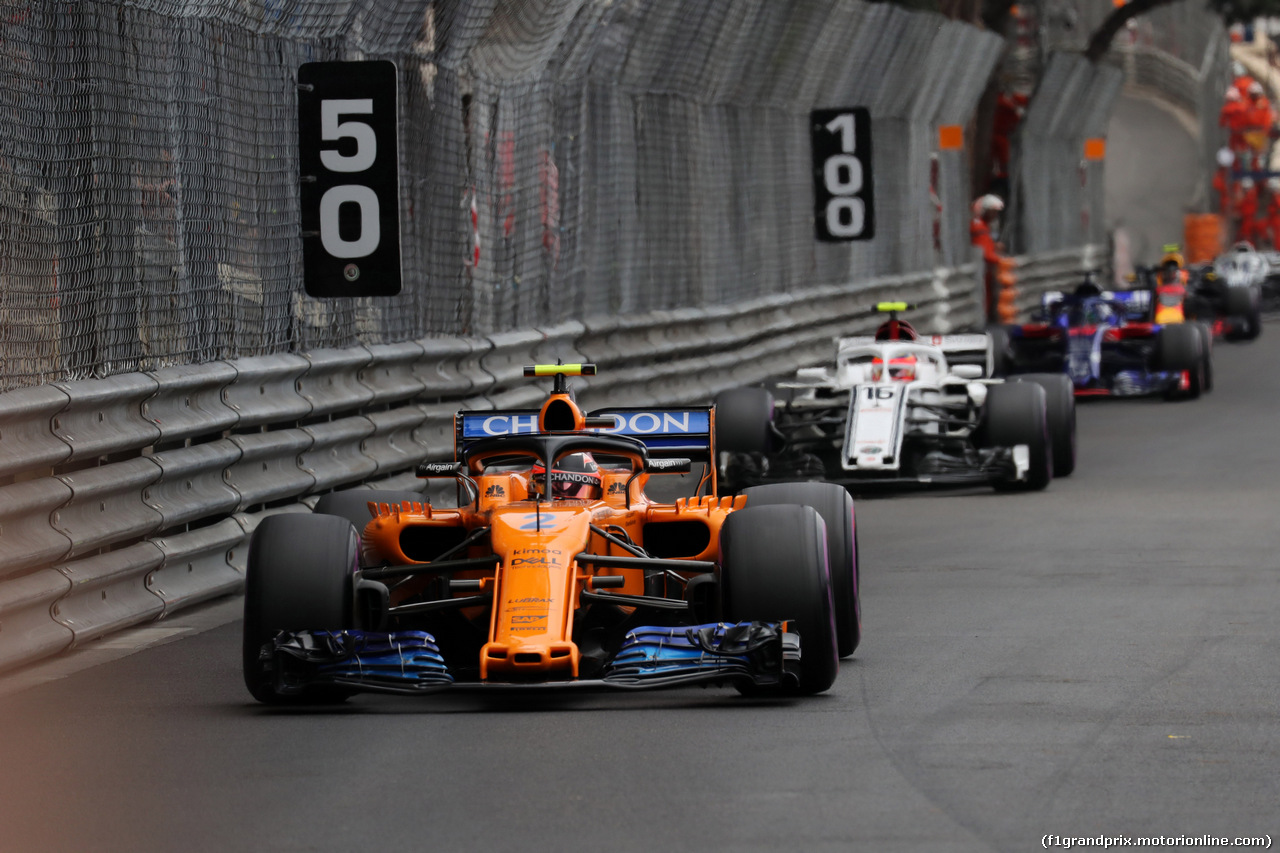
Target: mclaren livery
[[555, 570]]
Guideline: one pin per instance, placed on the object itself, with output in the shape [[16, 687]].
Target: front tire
[[1060, 411], [773, 568], [1016, 414], [299, 578], [835, 505], [1178, 350]]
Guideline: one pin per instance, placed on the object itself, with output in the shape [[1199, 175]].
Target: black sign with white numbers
[[350, 191], [843, 201]]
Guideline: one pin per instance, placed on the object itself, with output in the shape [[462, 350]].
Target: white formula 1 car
[[899, 408]]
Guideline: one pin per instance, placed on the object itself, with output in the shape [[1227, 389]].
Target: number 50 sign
[[350, 191], [844, 205]]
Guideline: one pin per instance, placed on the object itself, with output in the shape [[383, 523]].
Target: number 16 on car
[[844, 204], [349, 173]]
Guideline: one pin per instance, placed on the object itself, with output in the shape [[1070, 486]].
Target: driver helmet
[[1098, 312], [1171, 264], [901, 369], [1088, 287], [573, 477]]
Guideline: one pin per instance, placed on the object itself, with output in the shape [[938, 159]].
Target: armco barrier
[[106, 505], [109, 592], [27, 628], [104, 416], [188, 402], [196, 565], [171, 471], [27, 441], [192, 485]]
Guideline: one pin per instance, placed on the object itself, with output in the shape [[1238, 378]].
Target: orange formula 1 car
[[556, 570]]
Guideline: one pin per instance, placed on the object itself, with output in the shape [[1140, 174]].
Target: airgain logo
[[617, 488], [495, 491]]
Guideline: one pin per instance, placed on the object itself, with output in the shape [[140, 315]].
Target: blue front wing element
[[366, 658], [748, 650]]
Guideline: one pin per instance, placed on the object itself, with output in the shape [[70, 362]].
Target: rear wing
[[1135, 304], [666, 433]]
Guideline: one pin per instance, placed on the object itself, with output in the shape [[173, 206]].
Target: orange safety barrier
[[1007, 304], [1202, 237]]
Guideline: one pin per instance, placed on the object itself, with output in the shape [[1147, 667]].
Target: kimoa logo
[[495, 491]]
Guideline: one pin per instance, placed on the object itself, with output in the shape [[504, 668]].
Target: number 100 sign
[[843, 201], [350, 184]]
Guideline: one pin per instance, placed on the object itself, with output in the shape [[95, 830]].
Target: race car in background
[[1228, 304], [1107, 344], [1229, 294], [898, 408], [555, 570]]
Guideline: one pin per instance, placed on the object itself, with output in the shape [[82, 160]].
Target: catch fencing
[[560, 159], [1178, 51], [1058, 193]]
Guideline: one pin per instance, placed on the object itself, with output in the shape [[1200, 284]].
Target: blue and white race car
[[1104, 342]]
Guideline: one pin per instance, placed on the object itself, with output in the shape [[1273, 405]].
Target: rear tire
[[836, 507], [1178, 349], [1060, 410], [353, 504], [774, 567], [298, 579], [743, 418], [1244, 308], [1206, 351], [1016, 414], [1001, 352]]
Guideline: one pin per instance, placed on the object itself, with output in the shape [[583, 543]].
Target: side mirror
[[967, 371], [669, 466]]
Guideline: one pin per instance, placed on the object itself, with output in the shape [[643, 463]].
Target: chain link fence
[[560, 159], [1058, 194], [1178, 52]]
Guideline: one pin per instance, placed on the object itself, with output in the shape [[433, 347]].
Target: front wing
[[409, 662]]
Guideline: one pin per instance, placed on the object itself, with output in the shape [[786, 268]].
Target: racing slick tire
[[1206, 351], [835, 505], [774, 567], [298, 579], [1016, 413], [353, 504], [1179, 348], [743, 420], [1244, 308], [1002, 361], [1060, 409]]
